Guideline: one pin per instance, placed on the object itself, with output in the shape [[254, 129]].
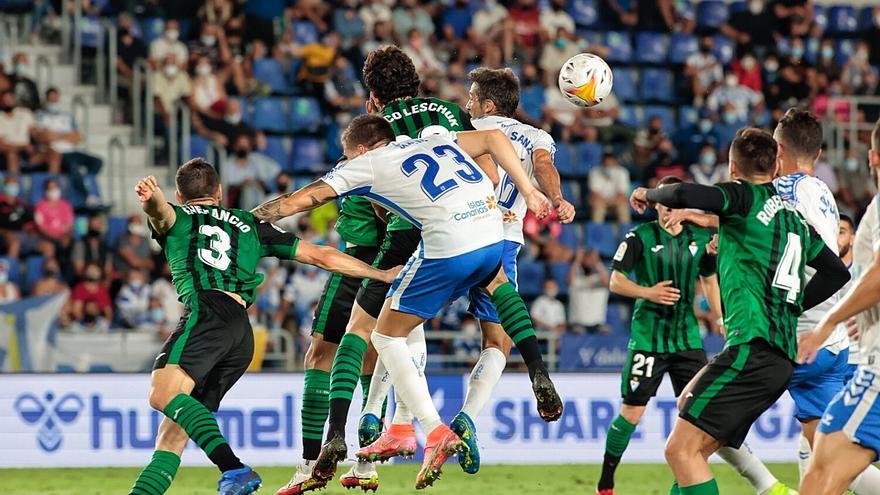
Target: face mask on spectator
[[209, 40], [52, 107], [552, 292], [861, 55], [4, 276], [157, 315], [748, 63], [852, 164], [203, 69], [827, 52], [233, 118], [797, 52], [707, 159], [731, 81], [136, 284], [21, 69], [12, 189], [53, 194], [705, 126], [560, 43], [172, 34], [729, 117], [771, 66], [171, 70], [138, 229], [93, 276], [756, 6]]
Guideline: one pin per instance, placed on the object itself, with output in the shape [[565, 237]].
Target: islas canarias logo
[[48, 413]]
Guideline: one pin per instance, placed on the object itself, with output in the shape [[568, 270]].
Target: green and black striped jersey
[[764, 245], [215, 248], [653, 255]]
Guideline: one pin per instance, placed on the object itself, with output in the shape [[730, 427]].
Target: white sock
[[804, 454], [418, 348], [404, 371], [482, 381], [380, 384], [867, 483], [749, 467]]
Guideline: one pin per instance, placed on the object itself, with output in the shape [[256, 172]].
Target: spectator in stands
[[872, 36], [487, 31], [522, 31], [129, 49], [17, 128], [53, 216], [665, 163], [618, 16], [826, 64], [707, 171], [92, 247], [169, 44], [208, 97], [164, 298], [90, 303], [170, 85], [350, 27], [753, 29], [303, 290], [51, 282], [317, 61], [410, 15], [554, 19], [561, 46], [9, 292], [382, 35], [748, 72], [609, 188], [548, 312], [14, 215], [604, 117], [466, 345], [422, 54], [691, 139], [373, 12], [655, 15], [217, 11], [344, 92], [23, 85], [742, 101], [703, 70], [858, 76], [793, 17], [213, 45], [260, 16], [770, 81], [58, 130], [133, 248], [246, 174], [588, 292], [133, 300], [794, 74]]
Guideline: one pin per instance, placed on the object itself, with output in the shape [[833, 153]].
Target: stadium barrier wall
[[55, 420]]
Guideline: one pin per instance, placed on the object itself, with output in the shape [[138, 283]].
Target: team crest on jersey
[[633, 384], [693, 248], [510, 217]]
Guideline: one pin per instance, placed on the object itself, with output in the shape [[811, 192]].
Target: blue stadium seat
[[14, 269], [277, 149], [811, 50], [530, 278], [842, 20], [100, 368], [270, 114], [588, 156], [116, 226], [737, 6], [198, 146], [564, 159], [334, 145], [617, 318], [711, 14], [304, 32], [629, 115], [307, 156], [33, 271], [270, 71], [152, 28], [843, 50], [592, 37], [723, 49], [687, 116], [570, 236], [681, 46], [305, 114], [657, 85], [602, 237], [584, 12], [76, 198], [625, 84], [666, 114], [620, 47], [559, 271], [866, 18], [532, 100], [571, 191], [38, 181], [820, 16], [651, 48]]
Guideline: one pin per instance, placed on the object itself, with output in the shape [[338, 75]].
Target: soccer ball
[[585, 80]]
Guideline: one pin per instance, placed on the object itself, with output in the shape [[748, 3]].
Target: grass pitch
[[561, 479]]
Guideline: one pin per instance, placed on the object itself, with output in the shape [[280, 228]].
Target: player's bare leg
[[836, 463], [687, 453]]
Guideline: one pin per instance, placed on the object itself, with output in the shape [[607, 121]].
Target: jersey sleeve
[[543, 141], [628, 254], [814, 245], [276, 242], [352, 177], [737, 198], [708, 265]]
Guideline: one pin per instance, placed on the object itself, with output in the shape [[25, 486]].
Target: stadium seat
[[723, 49], [842, 20], [304, 32], [602, 237], [866, 18], [843, 50], [531, 101], [198, 146], [79, 200], [687, 116], [116, 226], [666, 114], [270, 71], [592, 37], [737, 6], [657, 85], [334, 144], [570, 236], [681, 46], [270, 114], [625, 84], [584, 12], [14, 269], [629, 115], [619, 46], [588, 156], [617, 318], [305, 114], [33, 271], [277, 149], [152, 28], [571, 191], [564, 159], [559, 272], [307, 156], [820, 16], [38, 181], [651, 48], [711, 14], [530, 278]]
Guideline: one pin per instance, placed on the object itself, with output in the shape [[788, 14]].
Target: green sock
[[201, 426], [618, 436], [706, 488], [365, 388], [513, 313], [347, 367], [158, 475], [315, 405]]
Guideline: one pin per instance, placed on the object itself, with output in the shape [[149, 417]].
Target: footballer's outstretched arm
[[154, 204], [707, 198], [307, 198], [548, 180], [333, 260]]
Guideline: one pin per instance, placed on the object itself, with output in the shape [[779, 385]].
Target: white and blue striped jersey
[[434, 185]]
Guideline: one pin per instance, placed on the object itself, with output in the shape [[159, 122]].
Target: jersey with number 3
[[764, 245], [215, 248], [434, 185], [525, 140]]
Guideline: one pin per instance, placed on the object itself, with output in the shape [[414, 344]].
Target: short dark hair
[[669, 180], [875, 137], [499, 85], [390, 74], [754, 151], [367, 130], [800, 132], [196, 179], [52, 89], [849, 220]]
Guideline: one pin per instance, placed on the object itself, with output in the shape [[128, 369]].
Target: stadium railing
[[841, 134], [449, 360]]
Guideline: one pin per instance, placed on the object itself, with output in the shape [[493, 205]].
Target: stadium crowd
[[273, 81]]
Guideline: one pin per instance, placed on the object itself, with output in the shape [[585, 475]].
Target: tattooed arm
[[307, 198]]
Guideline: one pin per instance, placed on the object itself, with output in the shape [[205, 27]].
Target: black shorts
[[739, 384], [397, 247], [334, 307], [213, 343], [643, 373]]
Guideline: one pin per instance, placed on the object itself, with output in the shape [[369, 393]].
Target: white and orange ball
[[585, 80]]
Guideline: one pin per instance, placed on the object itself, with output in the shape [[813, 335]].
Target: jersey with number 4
[[215, 248], [764, 245], [434, 185], [526, 140], [865, 249]]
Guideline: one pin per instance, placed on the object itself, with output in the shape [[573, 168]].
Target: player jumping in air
[[213, 254], [848, 438], [434, 185], [763, 246]]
